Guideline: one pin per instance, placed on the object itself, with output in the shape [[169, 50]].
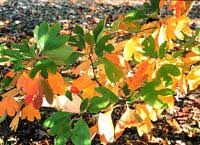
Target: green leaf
[[78, 30], [126, 90], [89, 39], [63, 138], [60, 125], [109, 48], [178, 53], [43, 65], [47, 91], [48, 38], [149, 94], [60, 55], [55, 118], [98, 30], [165, 71], [68, 94], [98, 103], [80, 134], [113, 72], [149, 47], [135, 15], [107, 93], [166, 92], [101, 45], [2, 118], [12, 53], [84, 104], [4, 59], [72, 58], [162, 50]]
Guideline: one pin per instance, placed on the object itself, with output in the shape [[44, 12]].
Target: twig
[[93, 69]]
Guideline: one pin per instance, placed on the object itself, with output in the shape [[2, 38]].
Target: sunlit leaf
[[106, 128], [30, 113]]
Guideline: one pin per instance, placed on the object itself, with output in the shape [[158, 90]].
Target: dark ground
[[17, 21]]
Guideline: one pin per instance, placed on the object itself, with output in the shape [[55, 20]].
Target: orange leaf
[[162, 3], [127, 120], [93, 131], [27, 84], [30, 113], [90, 92], [57, 83], [8, 106], [180, 6], [83, 82], [15, 122], [143, 72]]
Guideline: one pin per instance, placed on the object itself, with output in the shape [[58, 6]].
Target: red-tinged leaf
[[74, 90], [37, 102], [106, 128], [30, 113], [8, 106], [127, 120], [27, 84], [28, 98]]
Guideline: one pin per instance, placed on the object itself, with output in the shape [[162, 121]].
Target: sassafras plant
[[160, 58]]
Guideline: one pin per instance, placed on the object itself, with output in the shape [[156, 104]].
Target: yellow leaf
[[193, 78], [169, 100], [133, 47], [8, 106], [30, 113], [57, 83], [106, 128], [90, 92]]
